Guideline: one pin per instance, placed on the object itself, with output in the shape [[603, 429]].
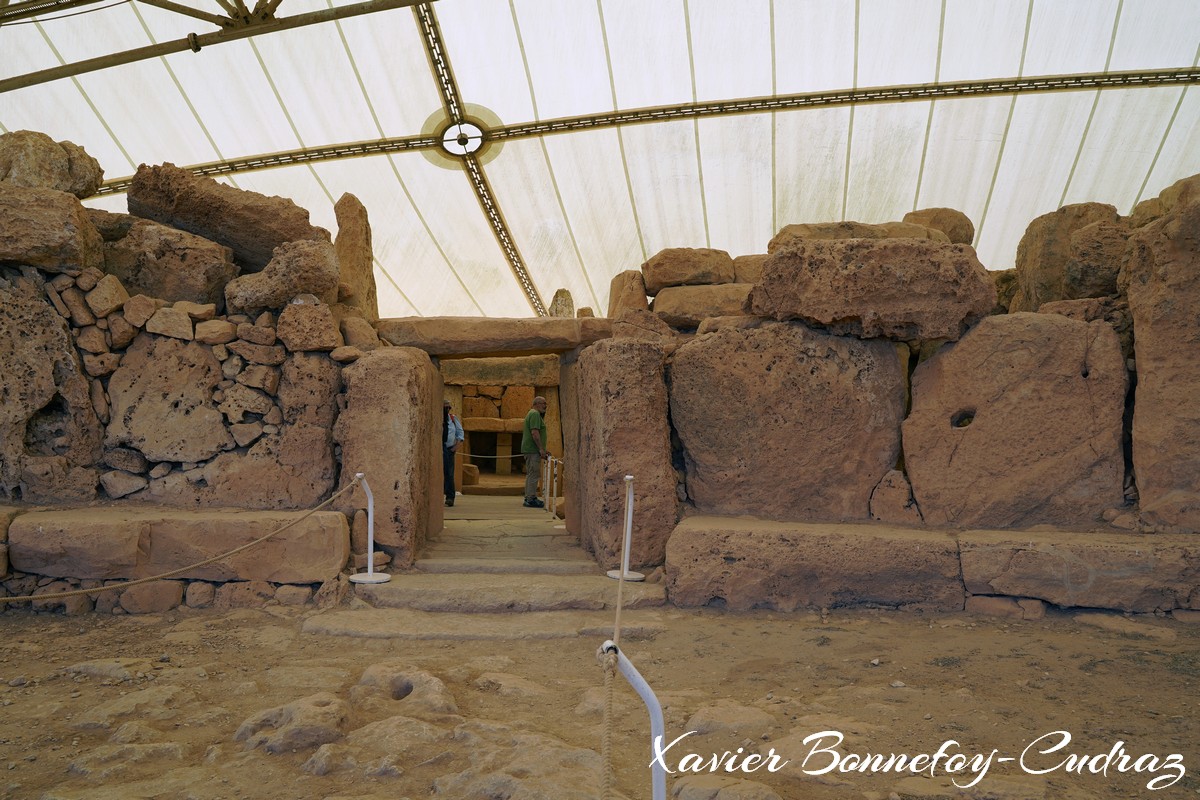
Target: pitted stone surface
[[47, 229], [1018, 424], [901, 289], [170, 264], [252, 225], [162, 401], [761, 411]]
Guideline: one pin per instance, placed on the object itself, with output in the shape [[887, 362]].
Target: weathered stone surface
[[627, 290], [389, 431], [138, 310], [138, 542], [1113, 310], [303, 267], [356, 261], [162, 401], [152, 598], [492, 424], [748, 269], [956, 225], [1046, 249], [112, 226], [622, 408], [526, 371], [256, 334], [892, 500], [107, 296], [271, 355], [171, 322], [720, 787], [91, 339], [307, 722], [903, 289], [1019, 423], [562, 305], [509, 761], [80, 315], [170, 264], [686, 306], [686, 266], [761, 411], [118, 484], [636, 323], [33, 160], [492, 336], [516, 402], [1162, 277], [748, 563], [790, 234], [359, 333], [215, 331], [48, 229], [47, 408], [1096, 570], [240, 400], [308, 386], [198, 312], [123, 458], [304, 327], [250, 224], [260, 376], [54, 479]]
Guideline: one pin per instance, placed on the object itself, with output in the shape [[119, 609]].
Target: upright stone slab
[[356, 261], [901, 289], [1018, 424], [390, 431], [627, 290], [1162, 278], [249, 223], [786, 423], [623, 431], [568, 386]]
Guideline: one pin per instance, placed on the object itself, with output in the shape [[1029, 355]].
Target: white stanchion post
[[658, 774], [370, 576], [624, 572]]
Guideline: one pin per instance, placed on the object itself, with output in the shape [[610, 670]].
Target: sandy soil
[[890, 682]]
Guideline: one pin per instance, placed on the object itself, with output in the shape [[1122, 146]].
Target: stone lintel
[[493, 336], [526, 371], [132, 543], [492, 425]]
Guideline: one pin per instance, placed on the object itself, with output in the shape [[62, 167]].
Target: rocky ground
[[213, 704]]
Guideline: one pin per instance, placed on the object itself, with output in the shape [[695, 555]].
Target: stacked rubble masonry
[[178, 372]]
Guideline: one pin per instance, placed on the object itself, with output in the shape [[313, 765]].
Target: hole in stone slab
[[1085, 372], [46, 433], [963, 418], [401, 688]]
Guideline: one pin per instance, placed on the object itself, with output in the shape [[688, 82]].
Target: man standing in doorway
[[533, 447], [452, 439]]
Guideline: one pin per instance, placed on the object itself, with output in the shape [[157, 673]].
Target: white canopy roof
[[611, 129]]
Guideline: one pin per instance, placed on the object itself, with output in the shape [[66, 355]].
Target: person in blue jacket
[[452, 439]]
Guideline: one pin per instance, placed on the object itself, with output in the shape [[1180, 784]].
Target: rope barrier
[[181, 570]]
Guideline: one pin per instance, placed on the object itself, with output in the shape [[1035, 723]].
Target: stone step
[[490, 593], [511, 566], [388, 623]]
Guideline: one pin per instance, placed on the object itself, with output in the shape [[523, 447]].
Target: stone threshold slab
[[381, 623], [523, 566], [492, 593]]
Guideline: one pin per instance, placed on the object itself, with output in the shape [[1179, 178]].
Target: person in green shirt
[[533, 447]]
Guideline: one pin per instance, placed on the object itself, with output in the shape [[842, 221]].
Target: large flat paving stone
[[384, 623], [491, 593]]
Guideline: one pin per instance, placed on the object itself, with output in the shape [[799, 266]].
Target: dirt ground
[[890, 682]]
